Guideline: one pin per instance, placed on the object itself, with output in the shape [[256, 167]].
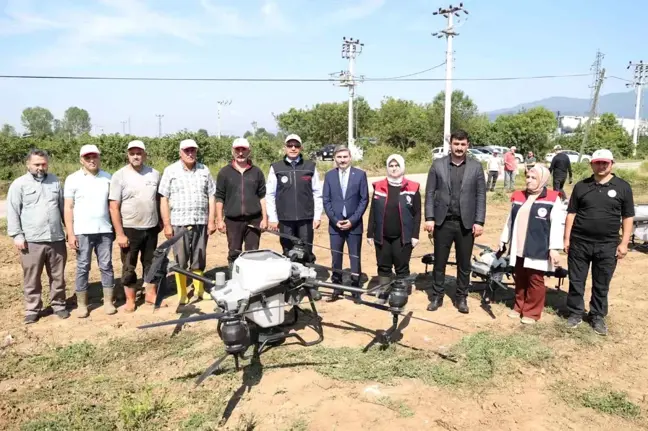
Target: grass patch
[[600, 398], [141, 410], [74, 356], [557, 330], [397, 406], [479, 358], [79, 417], [3, 226], [498, 197]]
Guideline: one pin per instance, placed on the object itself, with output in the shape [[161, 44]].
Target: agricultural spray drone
[[491, 266], [265, 288]]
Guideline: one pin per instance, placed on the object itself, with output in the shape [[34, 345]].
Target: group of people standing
[[136, 203]]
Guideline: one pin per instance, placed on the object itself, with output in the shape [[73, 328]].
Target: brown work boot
[[151, 293], [130, 299]]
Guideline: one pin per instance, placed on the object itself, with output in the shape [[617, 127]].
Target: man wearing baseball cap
[[294, 197], [134, 210], [240, 201], [187, 201], [89, 228], [599, 206]]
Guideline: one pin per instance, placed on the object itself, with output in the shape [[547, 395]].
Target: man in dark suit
[[455, 212], [345, 198]]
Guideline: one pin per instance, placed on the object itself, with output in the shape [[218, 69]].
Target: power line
[[131, 78], [408, 75]]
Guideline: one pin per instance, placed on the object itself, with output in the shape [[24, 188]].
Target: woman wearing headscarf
[[394, 220], [534, 232]]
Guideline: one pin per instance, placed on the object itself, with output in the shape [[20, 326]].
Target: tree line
[[397, 125]]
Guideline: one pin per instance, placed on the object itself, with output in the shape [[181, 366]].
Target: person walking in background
[[345, 199], [134, 211], [187, 201], [455, 212], [560, 168], [240, 201], [35, 223], [599, 207], [89, 227], [510, 169], [495, 165], [534, 233], [394, 221], [529, 162]]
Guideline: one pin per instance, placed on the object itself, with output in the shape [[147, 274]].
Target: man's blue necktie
[[344, 186]]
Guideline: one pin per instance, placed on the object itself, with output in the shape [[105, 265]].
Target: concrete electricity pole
[[159, 117], [640, 74], [123, 123], [350, 50], [449, 32], [221, 103], [599, 77]]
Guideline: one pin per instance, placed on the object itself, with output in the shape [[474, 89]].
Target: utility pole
[[123, 123], [129, 125], [350, 50], [599, 76], [640, 74], [159, 117], [221, 103], [449, 32]]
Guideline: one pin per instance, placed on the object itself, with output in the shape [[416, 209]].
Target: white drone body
[[253, 273]]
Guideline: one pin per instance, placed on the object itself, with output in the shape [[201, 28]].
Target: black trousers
[[559, 183], [302, 229], [142, 244], [492, 180], [448, 233], [238, 233], [393, 253], [602, 257], [354, 244]]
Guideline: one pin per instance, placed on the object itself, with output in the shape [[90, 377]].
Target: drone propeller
[[198, 318], [299, 240]]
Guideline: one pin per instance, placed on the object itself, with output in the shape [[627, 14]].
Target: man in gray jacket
[[34, 221], [455, 212]]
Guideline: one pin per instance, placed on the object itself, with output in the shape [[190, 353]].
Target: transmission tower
[[598, 76], [221, 103], [123, 123], [449, 32], [640, 75]]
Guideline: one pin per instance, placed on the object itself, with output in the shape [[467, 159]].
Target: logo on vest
[[612, 193], [284, 179], [408, 198], [542, 212]]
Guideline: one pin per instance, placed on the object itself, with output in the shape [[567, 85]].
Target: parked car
[[325, 153], [437, 153], [503, 150], [573, 156], [481, 156]]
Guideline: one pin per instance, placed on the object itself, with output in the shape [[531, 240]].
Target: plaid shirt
[[188, 192]]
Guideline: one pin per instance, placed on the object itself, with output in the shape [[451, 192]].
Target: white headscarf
[[396, 181]]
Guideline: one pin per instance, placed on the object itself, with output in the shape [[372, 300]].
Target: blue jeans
[[102, 244]]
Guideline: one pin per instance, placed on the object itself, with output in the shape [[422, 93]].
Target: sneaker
[[513, 314], [573, 321], [31, 318], [599, 326], [528, 321], [62, 314]]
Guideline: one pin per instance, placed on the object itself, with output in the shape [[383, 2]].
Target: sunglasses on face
[[293, 145]]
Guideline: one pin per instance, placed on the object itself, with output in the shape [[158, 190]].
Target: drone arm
[[317, 283], [191, 275]]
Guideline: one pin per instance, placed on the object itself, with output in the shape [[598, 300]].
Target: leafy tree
[[604, 133], [401, 123], [529, 130], [37, 121], [8, 130], [76, 121], [203, 132]]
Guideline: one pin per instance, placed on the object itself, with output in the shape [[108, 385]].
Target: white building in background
[[569, 123]]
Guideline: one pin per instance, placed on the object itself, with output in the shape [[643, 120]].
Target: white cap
[[240, 143], [137, 144], [188, 143], [293, 137], [557, 147], [89, 149], [602, 156]]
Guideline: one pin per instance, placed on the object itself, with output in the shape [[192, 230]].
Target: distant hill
[[620, 104]]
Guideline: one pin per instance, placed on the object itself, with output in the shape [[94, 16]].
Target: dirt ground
[[104, 373]]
